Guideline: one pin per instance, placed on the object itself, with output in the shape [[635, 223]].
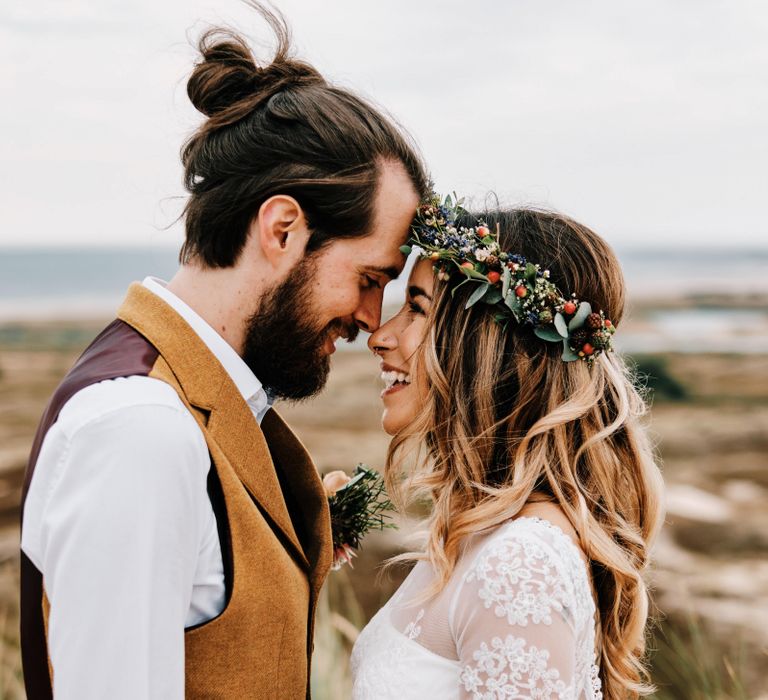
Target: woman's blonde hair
[[506, 422]]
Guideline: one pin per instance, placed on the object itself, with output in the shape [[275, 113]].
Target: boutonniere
[[358, 504]]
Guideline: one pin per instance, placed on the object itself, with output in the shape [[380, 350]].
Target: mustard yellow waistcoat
[[273, 515]]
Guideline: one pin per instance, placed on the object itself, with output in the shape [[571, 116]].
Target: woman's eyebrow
[[414, 291]]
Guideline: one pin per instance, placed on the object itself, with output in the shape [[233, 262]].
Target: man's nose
[[368, 314]]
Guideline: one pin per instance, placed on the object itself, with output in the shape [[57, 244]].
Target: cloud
[[646, 121]]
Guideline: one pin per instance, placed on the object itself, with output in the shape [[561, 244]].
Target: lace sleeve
[[512, 620]]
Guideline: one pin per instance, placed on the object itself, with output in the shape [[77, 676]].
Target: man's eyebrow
[[389, 270], [414, 291]]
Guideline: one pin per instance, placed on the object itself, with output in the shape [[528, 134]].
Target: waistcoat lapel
[[208, 387], [301, 477]]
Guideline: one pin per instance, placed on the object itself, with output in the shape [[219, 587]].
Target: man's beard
[[284, 347]]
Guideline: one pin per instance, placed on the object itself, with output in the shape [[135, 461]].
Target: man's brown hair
[[280, 129]]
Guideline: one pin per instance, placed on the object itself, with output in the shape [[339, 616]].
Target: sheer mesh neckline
[[515, 620]]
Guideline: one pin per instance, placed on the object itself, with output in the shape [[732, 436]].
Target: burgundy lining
[[118, 351]]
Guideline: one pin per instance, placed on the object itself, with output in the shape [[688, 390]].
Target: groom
[[175, 532]]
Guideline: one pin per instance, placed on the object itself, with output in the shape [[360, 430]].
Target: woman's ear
[[281, 229]]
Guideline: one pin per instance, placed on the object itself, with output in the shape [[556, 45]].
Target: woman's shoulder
[[528, 570], [543, 522], [540, 543], [549, 517]]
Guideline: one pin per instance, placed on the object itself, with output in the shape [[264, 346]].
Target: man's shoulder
[[111, 398]]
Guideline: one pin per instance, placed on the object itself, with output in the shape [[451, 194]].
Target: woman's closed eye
[[414, 308]]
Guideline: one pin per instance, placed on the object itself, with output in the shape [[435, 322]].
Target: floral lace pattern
[[512, 669], [413, 629], [520, 581], [520, 616], [527, 579]]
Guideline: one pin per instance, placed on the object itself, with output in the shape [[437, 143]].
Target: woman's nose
[[383, 338]]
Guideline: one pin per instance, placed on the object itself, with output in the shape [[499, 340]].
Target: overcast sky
[[647, 121]]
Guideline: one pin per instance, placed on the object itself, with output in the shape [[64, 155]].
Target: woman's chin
[[394, 420], [399, 409], [388, 423]]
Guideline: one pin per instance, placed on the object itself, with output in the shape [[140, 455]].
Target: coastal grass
[[709, 419]]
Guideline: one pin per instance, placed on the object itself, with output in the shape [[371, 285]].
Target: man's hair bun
[[277, 127], [228, 82]]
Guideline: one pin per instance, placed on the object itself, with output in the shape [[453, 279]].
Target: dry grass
[[711, 560]]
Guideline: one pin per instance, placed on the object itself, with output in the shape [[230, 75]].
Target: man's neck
[[220, 297]]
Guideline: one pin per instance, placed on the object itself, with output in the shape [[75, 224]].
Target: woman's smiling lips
[[394, 379]]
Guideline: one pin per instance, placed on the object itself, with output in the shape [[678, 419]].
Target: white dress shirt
[[119, 522]]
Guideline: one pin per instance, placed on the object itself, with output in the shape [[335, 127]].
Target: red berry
[[521, 291], [467, 265], [608, 324], [435, 256], [588, 349], [482, 231], [493, 276], [569, 307]]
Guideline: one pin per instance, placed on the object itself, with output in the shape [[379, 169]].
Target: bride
[[545, 494]]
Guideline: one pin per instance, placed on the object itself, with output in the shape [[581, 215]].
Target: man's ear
[[282, 232]]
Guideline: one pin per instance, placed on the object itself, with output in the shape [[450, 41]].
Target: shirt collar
[[245, 380]]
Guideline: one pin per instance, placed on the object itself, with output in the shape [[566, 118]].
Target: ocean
[[76, 283]]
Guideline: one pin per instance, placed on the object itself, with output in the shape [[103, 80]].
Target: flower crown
[[512, 286]]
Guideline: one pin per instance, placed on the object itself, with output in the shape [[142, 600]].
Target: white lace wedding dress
[[516, 620]]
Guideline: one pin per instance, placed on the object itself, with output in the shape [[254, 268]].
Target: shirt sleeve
[[513, 623], [120, 537]]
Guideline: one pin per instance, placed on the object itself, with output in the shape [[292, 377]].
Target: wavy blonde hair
[[506, 422]]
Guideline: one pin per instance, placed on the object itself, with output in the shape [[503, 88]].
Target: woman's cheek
[[418, 380]]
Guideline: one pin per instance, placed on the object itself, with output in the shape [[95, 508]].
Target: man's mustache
[[348, 331]]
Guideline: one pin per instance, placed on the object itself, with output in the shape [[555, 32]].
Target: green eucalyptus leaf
[[448, 202], [506, 277], [405, 249], [530, 272], [515, 306], [474, 274], [548, 333], [460, 284], [580, 316], [568, 354], [477, 295], [487, 240], [560, 324], [492, 295]]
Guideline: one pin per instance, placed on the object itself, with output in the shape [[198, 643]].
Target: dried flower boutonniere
[[358, 504]]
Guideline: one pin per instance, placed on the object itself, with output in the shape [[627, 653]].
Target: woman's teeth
[[392, 378]]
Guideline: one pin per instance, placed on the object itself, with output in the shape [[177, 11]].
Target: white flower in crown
[[482, 254]]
